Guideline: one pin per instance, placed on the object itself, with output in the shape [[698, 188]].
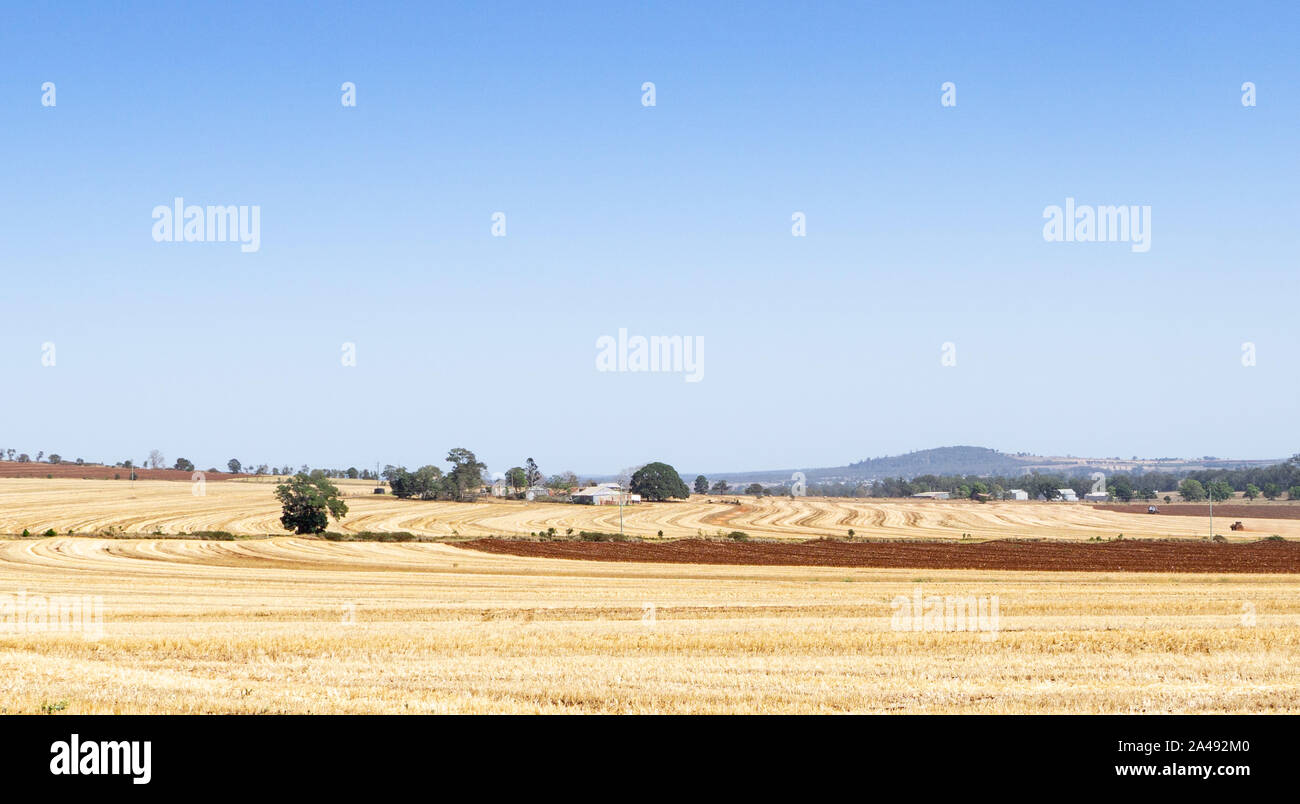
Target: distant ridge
[[938, 461], [967, 460]]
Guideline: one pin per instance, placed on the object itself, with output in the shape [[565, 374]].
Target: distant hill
[[984, 461], [938, 461]]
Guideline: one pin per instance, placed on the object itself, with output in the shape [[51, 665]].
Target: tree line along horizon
[[308, 499], [467, 475]]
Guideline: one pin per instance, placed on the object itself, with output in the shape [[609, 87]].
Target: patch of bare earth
[[1116, 556]]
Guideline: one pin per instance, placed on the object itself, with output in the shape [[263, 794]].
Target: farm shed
[[1017, 494], [1096, 496], [603, 494], [1068, 495], [932, 495]]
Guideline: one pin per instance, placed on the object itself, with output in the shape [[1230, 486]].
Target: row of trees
[[22, 457], [461, 482], [235, 466]]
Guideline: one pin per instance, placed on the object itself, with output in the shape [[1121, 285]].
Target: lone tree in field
[[754, 489], [308, 502], [658, 481], [184, 464], [234, 466], [701, 484]]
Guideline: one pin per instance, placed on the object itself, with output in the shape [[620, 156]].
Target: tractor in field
[[1237, 525], [1151, 509]]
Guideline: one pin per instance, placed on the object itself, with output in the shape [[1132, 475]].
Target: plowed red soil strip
[[99, 472], [1117, 556], [1235, 511]]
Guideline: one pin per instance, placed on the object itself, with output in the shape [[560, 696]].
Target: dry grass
[[244, 507], [258, 627]]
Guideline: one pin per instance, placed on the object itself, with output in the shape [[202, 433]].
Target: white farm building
[[603, 494]]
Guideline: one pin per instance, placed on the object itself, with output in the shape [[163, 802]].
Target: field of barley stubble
[[301, 625]]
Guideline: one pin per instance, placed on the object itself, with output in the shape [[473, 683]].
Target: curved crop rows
[[298, 625], [247, 507]]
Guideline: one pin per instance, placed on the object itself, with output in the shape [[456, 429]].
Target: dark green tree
[[466, 475], [516, 478], [1219, 491], [308, 502], [658, 481], [701, 484]]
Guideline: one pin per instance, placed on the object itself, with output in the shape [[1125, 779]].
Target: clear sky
[[924, 227]]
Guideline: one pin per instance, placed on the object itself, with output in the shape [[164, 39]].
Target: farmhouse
[[603, 494], [1017, 494], [1068, 495]]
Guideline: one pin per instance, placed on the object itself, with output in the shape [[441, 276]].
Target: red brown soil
[[1234, 510], [99, 472], [1116, 556]]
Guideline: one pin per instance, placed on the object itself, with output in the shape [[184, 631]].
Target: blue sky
[[924, 226]]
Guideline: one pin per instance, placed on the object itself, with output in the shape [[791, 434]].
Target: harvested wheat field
[[149, 507], [299, 625]]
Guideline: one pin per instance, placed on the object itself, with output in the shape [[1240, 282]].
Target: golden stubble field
[[292, 624], [87, 507], [300, 625]]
